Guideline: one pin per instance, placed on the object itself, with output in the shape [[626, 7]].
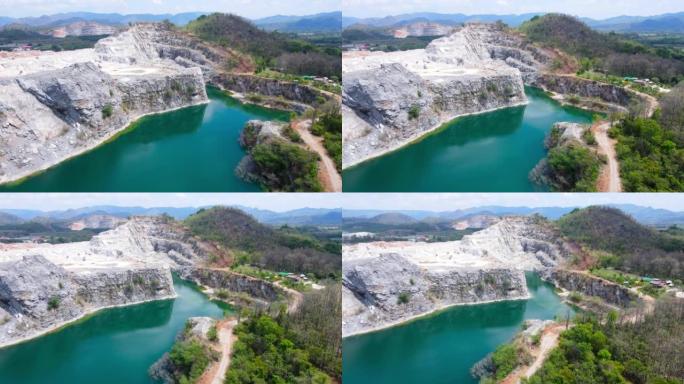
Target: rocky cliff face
[[276, 93], [37, 295], [391, 289], [59, 104], [43, 286], [232, 282], [387, 283], [393, 98], [591, 286], [601, 96]]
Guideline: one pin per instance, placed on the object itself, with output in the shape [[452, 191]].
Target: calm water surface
[[490, 152], [442, 348], [115, 346], [193, 149]]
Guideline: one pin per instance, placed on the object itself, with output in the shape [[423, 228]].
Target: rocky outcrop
[[393, 98], [58, 104], [83, 28], [37, 295], [43, 286], [588, 94], [590, 285], [96, 222], [271, 92], [232, 282], [391, 289], [388, 283], [568, 138], [196, 329], [257, 132]]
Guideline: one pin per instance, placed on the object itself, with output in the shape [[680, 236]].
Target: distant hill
[[393, 218], [6, 218], [303, 216], [105, 18], [627, 244], [644, 215], [321, 22], [278, 249], [670, 22], [442, 18]]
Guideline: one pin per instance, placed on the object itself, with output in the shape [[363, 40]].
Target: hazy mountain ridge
[[320, 22], [301, 216], [644, 215], [668, 22]]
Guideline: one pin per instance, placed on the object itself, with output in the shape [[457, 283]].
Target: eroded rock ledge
[[393, 98], [55, 105], [44, 286], [387, 283]]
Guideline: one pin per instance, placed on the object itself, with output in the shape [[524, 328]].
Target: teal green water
[[193, 149], [490, 152], [442, 348], [114, 346]]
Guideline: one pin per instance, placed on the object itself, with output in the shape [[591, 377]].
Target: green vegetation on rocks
[[650, 158], [571, 165], [609, 53], [286, 167], [627, 245], [276, 249], [329, 126], [615, 351], [268, 49]]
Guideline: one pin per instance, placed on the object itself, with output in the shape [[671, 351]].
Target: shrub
[[403, 298], [53, 302], [575, 297], [191, 358], [414, 112], [212, 334], [291, 134], [588, 137], [107, 111]]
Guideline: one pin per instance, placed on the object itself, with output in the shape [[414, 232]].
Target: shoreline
[[21, 177], [426, 314], [84, 316], [419, 136]]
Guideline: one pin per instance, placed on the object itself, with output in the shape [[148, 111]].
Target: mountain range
[[669, 22], [321, 22], [644, 215], [297, 217]]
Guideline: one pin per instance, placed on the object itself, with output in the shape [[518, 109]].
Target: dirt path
[[217, 371], [296, 297], [609, 179], [327, 172], [548, 341]]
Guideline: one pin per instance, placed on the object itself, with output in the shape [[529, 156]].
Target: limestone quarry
[[391, 99], [386, 283], [55, 105], [44, 286]]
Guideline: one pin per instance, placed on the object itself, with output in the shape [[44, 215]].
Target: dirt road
[[548, 341], [217, 371], [327, 172], [296, 297], [609, 179]]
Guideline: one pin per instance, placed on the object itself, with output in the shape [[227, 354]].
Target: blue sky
[[383, 201], [589, 8], [246, 8]]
